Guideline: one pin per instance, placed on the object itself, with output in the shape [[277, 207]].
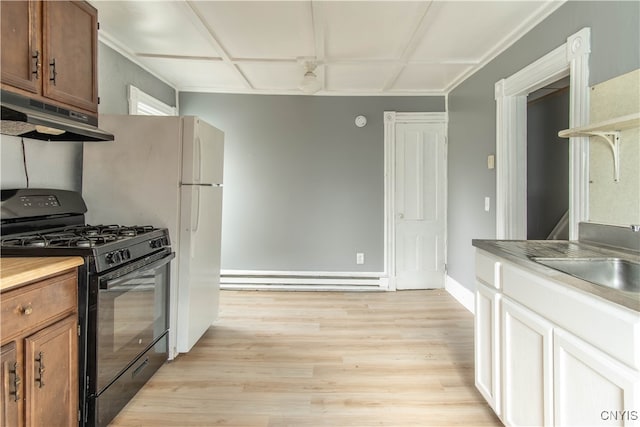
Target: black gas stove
[[106, 246], [123, 291]]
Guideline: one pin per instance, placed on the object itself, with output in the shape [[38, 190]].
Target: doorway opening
[[548, 162], [570, 59]]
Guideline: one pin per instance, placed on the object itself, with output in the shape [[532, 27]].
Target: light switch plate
[[491, 161], [487, 203]]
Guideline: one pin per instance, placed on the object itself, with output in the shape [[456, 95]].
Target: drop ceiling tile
[[154, 27], [432, 77], [372, 30], [358, 78], [455, 31], [259, 29], [192, 75]]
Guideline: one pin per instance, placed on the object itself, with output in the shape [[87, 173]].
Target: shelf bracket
[[612, 138]]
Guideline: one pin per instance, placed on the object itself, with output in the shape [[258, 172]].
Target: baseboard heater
[[260, 280]]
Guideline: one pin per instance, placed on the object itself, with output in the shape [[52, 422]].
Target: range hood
[[29, 118]]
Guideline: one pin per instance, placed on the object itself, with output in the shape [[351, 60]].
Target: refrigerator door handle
[[198, 158], [196, 223], [197, 185]]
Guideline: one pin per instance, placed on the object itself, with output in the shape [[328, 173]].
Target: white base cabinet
[[527, 367], [549, 355], [592, 388], [487, 354]]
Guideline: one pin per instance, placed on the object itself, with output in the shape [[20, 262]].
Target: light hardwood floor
[[322, 359]]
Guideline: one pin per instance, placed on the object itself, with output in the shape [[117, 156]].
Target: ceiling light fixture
[[310, 83]]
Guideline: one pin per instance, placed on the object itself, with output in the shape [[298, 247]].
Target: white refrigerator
[[165, 172]]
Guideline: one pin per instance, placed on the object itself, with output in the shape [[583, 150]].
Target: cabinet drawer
[[27, 307], [488, 269]]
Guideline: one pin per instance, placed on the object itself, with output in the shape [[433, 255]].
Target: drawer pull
[[16, 381], [40, 362], [26, 310]]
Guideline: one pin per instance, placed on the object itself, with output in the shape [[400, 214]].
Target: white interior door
[[419, 216]]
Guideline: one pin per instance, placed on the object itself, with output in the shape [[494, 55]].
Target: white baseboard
[[302, 281], [462, 294]]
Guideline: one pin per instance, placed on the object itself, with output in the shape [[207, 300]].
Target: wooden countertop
[[18, 271]]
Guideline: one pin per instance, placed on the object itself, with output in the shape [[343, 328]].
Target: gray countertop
[[520, 252]]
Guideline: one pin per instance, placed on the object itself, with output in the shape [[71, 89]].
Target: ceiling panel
[[359, 78], [455, 32], [247, 29], [431, 77], [398, 47], [154, 27], [372, 30], [274, 75], [196, 74]]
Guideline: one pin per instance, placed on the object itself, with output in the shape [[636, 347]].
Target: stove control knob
[[156, 243], [125, 254], [113, 258]]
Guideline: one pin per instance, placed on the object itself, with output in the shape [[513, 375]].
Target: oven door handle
[[106, 281]]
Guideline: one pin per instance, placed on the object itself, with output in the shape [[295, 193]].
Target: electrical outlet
[[359, 258]]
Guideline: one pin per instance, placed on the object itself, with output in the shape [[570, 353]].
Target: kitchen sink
[[610, 272]]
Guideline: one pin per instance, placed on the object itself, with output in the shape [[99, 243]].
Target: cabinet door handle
[[54, 73], [26, 310], [40, 362], [16, 381], [36, 65]]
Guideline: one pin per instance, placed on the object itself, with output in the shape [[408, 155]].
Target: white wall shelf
[[609, 131]]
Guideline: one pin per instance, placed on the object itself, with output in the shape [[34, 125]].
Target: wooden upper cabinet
[[50, 49], [70, 31], [21, 45]]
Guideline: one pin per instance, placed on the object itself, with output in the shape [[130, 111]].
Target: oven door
[[132, 314]]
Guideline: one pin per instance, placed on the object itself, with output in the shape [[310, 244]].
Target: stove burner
[[82, 236], [36, 242]]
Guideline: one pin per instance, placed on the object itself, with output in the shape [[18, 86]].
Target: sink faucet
[[635, 228]]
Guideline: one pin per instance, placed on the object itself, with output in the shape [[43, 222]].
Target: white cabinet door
[[527, 368], [487, 344], [591, 388]]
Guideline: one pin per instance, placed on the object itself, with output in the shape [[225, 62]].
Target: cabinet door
[[51, 375], [11, 377], [527, 369], [591, 388], [487, 344], [21, 51], [70, 47]]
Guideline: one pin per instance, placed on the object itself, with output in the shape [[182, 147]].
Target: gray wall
[[116, 72], [303, 185], [472, 118], [59, 165], [547, 163]]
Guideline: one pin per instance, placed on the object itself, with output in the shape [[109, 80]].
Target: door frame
[[391, 118], [570, 59]]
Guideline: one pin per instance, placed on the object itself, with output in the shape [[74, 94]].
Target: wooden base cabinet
[[40, 353]]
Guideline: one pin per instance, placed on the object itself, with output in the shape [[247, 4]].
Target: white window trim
[[570, 59], [141, 103]]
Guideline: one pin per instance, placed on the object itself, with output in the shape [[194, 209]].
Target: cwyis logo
[[619, 415]]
